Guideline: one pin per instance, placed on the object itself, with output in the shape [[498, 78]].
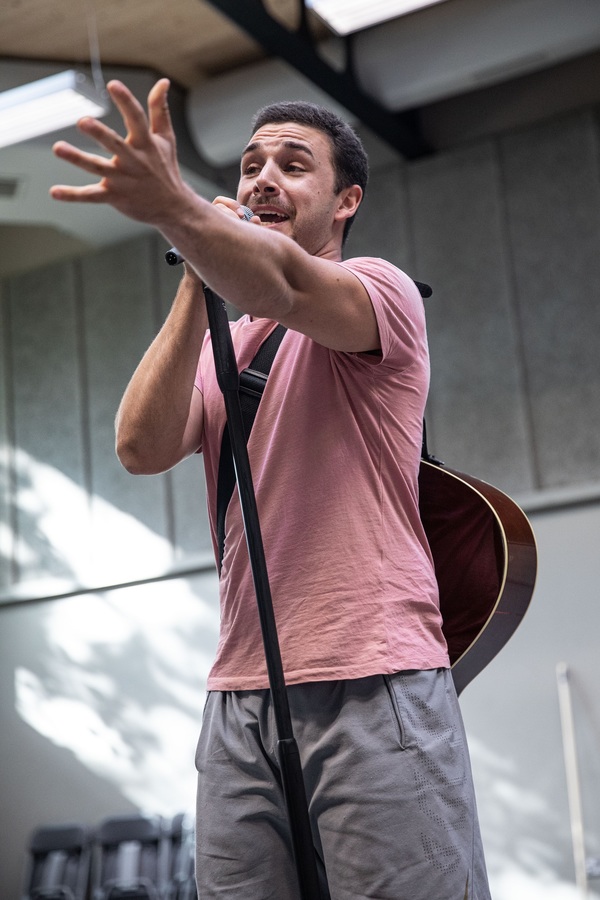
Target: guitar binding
[[485, 560]]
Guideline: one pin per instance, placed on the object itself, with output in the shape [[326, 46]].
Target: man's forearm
[[157, 424], [253, 269]]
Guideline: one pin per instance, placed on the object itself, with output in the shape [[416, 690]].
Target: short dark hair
[[350, 163]]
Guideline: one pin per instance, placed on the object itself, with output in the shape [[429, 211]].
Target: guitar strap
[[252, 384]]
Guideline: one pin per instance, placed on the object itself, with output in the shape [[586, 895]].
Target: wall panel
[[120, 320], [382, 227], [477, 418], [552, 191], [6, 529], [51, 515], [191, 536]]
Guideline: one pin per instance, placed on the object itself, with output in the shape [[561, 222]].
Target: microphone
[[174, 257]]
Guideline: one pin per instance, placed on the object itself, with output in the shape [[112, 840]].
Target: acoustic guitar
[[485, 561]]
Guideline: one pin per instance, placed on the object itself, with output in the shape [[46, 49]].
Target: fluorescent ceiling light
[[48, 105], [348, 16]]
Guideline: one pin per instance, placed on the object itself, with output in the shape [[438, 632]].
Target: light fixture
[[347, 16], [48, 105]]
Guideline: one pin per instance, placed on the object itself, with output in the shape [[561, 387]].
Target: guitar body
[[485, 561]]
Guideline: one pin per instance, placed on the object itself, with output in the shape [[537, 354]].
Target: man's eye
[[292, 167], [251, 169]]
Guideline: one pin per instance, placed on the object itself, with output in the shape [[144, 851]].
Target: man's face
[[287, 178]]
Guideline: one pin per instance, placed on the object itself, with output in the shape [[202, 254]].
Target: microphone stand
[[289, 757]]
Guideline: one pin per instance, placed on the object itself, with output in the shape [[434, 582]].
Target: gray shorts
[[388, 781]]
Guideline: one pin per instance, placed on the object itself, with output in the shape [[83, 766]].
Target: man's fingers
[[102, 134], [131, 110], [158, 108], [142, 169], [89, 162], [90, 193], [230, 206]]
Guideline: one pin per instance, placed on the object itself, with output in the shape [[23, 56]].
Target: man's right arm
[[160, 417]]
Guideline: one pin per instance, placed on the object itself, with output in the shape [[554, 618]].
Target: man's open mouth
[[270, 217]]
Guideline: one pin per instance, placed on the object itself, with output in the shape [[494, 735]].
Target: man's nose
[[266, 181]]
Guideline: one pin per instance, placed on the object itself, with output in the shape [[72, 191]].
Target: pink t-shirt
[[335, 452]]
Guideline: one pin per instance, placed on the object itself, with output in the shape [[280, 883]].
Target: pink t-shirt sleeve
[[398, 309]]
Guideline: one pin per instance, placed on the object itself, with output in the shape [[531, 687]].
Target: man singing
[[335, 452]]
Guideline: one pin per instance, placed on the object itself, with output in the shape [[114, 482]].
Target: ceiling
[[452, 72], [188, 40], [185, 39]]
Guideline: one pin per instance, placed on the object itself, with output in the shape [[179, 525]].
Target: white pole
[[572, 772]]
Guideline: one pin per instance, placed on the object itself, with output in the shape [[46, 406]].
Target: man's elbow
[[136, 460]]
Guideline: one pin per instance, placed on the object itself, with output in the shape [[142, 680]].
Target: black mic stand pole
[[289, 757]]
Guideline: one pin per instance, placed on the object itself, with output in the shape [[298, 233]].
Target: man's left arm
[[262, 273]]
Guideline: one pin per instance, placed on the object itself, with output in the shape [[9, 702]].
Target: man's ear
[[349, 201]]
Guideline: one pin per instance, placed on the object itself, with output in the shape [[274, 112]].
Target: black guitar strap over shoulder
[[252, 384]]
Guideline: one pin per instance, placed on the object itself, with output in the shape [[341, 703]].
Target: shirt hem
[[261, 682]]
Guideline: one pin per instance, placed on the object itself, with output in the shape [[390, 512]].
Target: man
[[335, 455]]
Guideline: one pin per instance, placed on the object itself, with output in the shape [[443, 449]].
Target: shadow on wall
[[19, 555], [101, 694], [119, 682]]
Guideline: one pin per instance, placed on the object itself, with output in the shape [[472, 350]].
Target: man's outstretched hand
[[141, 179]]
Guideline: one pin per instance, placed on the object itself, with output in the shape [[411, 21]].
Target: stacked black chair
[[182, 881], [131, 859], [59, 863]]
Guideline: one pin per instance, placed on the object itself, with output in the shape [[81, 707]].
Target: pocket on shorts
[[395, 711], [206, 699]]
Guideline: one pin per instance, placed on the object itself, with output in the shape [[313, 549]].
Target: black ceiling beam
[[400, 130]]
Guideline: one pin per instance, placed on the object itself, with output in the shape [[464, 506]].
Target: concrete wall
[[102, 686]]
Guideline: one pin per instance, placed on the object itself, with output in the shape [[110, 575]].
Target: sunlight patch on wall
[[68, 722], [121, 682], [518, 885], [518, 823], [63, 533], [6, 542]]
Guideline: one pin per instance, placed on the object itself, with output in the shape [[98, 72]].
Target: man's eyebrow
[[296, 145], [289, 145]]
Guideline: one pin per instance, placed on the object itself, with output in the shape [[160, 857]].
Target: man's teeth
[[272, 217]]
